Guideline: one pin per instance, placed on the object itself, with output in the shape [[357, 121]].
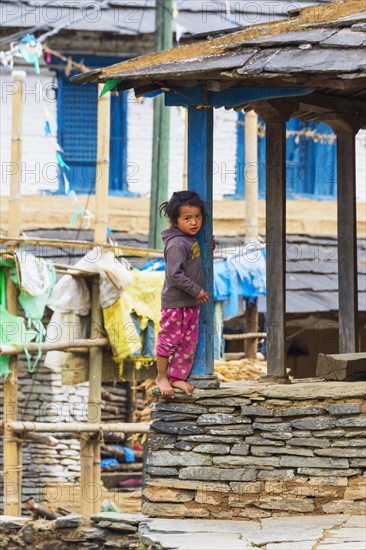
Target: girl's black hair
[[171, 208]]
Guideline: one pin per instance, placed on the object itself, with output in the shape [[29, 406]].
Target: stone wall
[[255, 450]]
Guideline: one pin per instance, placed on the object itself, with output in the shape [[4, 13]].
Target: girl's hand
[[213, 243], [202, 297]]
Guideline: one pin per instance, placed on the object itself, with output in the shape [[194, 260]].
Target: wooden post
[[200, 172], [347, 242], [275, 113], [12, 448], [251, 218], [102, 172], [90, 449], [160, 158]]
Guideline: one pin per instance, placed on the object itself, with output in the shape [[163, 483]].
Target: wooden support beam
[[102, 171], [200, 178], [251, 218], [78, 427], [347, 242], [12, 448], [137, 251], [78, 345], [275, 113]]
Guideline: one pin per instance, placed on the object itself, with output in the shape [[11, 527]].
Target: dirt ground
[[132, 215]]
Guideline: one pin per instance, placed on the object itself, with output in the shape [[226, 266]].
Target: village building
[[311, 67]]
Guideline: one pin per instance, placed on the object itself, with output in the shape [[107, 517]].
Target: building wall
[[255, 450], [39, 168]]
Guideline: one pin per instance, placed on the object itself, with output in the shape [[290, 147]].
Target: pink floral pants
[[177, 339]]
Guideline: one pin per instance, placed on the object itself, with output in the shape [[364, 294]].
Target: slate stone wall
[[254, 450]]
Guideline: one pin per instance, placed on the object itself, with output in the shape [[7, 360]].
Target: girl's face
[[189, 220]]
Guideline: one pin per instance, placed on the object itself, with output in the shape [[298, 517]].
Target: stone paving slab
[[333, 532]]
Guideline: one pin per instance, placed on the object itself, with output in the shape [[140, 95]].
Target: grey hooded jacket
[[183, 269]]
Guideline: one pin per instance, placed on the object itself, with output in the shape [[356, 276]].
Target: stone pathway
[[330, 532]]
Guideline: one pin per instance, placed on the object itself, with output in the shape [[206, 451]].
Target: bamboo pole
[[12, 447], [77, 345], [95, 390], [78, 427], [119, 250], [245, 336], [251, 218], [90, 458]]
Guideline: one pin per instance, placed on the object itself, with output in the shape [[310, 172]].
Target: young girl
[[183, 292]]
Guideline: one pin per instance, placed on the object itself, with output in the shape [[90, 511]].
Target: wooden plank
[[276, 245], [347, 242], [342, 366], [230, 97], [200, 178]]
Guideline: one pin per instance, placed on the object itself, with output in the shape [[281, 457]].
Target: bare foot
[[164, 386], [184, 386]]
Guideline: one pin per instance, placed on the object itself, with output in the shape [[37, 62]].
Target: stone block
[[300, 411], [194, 485], [275, 474], [330, 433], [342, 452], [162, 441], [176, 458], [355, 507], [183, 446], [258, 440], [170, 510], [227, 401], [209, 498], [301, 505], [313, 423], [155, 494], [355, 493], [284, 427], [356, 421], [176, 427], [300, 489], [211, 448], [217, 474], [220, 419], [241, 500], [332, 472], [341, 366], [230, 430], [350, 443], [222, 409], [309, 442], [179, 408], [343, 408], [309, 462], [357, 462], [255, 410], [250, 488], [206, 438], [240, 449], [157, 471], [227, 461], [266, 450], [278, 436]]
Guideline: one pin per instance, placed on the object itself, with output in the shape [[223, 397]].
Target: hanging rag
[[12, 327]]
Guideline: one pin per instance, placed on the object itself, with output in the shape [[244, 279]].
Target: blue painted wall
[[77, 132], [311, 161]]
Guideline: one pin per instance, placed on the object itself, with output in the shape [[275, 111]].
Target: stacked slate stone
[[105, 530], [255, 450], [43, 398]]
